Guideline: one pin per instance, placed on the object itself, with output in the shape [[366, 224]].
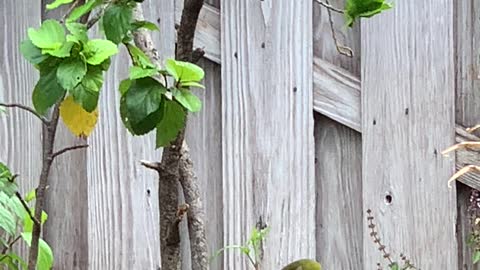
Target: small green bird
[[304, 264]]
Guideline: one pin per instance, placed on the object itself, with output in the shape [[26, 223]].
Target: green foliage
[[117, 21], [145, 24], [50, 35], [355, 9], [47, 91], [78, 12], [96, 51], [15, 222], [70, 72], [184, 72], [304, 264], [171, 123], [252, 248], [56, 3]]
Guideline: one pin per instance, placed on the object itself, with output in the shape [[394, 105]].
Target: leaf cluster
[[16, 223], [354, 9]]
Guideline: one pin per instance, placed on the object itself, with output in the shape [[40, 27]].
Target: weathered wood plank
[[338, 159], [123, 215], [338, 149], [336, 94], [204, 137], [20, 133], [467, 39], [68, 188], [407, 120], [267, 128]]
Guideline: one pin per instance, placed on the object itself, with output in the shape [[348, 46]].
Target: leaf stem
[[70, 148], [330, 7]]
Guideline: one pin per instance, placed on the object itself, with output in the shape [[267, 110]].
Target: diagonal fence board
[[406, 120], [267, 128]]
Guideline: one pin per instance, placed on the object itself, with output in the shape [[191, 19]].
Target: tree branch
[[22, 201], [49, 131], [330, 7], [344, 50], [25, 108], [70, 148]]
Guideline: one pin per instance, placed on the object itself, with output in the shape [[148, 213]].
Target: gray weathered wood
[[407, 120], [267, 128], [68, 186], [467, 39], [123, 215], [204, 137], [338, 149], [339, 198], [20, 132]]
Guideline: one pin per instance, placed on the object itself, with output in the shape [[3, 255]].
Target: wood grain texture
[[338, 158], [338, 149], [267, 129], [407, 119], [467, 41], [67, 227], [204, 137], [20, 132], [123, 201]]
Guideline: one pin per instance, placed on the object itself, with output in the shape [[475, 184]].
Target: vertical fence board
[[20, 132], [123, 214], [204, 137], [68, 188], [467, 38], [268, 128], [338, 156], [408, 118]]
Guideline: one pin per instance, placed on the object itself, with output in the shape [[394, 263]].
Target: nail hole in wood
[[435, 152], [388, 199], [235, 54], [374, 122], [406, 111], [295, 89], [263, 45]]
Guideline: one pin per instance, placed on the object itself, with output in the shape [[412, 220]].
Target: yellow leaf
[[80, 122]]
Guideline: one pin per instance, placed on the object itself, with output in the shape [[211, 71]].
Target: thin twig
[[25, 108], [10, 245], [344, 50], [24, 204], [70, 148], [97, 15], [70, 9], [330, 7]]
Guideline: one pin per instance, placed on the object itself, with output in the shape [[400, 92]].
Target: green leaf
[[184, 72], [137, 72], [56, 3], [141, 105], [78, 32], [189, 100], [30, 196], [62, 52], [124, 86], [28, 222], [172, 122], [83, 9], [31, 52], [70, 72], [355, 9], [45, 254], [88, 91], [50, 35], [7, 220], [116, 22], [47, 91], [394, 266], [14, 261], [476, 257], [145, 24], [139, 58], [97, 51], [193, 84]]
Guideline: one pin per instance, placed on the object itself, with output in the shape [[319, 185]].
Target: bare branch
[[25, 108], [330, 7], [197, 54], [70, 148], [344, 50], [24, 204]]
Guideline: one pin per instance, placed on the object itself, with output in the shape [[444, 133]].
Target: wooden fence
[[289, 136]]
